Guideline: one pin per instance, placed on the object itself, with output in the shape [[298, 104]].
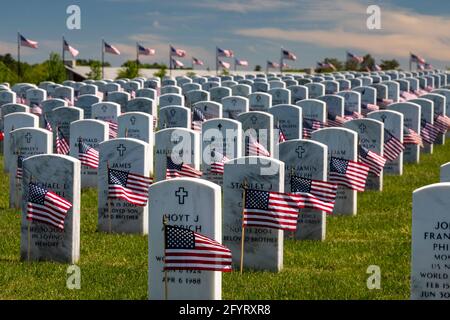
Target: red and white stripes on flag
[[143, 51], [47, 124], [243, 63], [174, 170], [392, 146], [288, 55], [197, 62], [224, 64], [177, 63], [128, 186], [24, 42], [36, 109], [366, 108], [311, 125], [189, 250], [62, 145], [46, 206], [411, 137], [225, 53], [113, 128], [87, 155], [348, 173], [335, 120], [373, 160], [177, 52], [270, 209], [271, 64], [111, 49], [74, 52], [429, 132], [217, 166], [317, 195], [442, 123], [254, 148]]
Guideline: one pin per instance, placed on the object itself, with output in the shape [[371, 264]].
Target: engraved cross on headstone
[[121, 148], [28, 136], [300, 151], [181, 194]]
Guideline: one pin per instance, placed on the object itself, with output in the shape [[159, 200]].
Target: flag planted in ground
[[174, 170], [316, 194], [128, 186], [373, 160], [87, 155], [348, 173]]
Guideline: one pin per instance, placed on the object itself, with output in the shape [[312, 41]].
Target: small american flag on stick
[[317, 195], [311, 125], [174, 170], [219, 162], [62, 146], [189, 250], [128, 186], [254, 148], [87, 155], [46, 206], [429, 132], [19, 171], [335, 120], [411, 137], [347, 173], [373, 160], [392, 146]]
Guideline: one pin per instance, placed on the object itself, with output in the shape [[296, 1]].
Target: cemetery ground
[[115, 266]]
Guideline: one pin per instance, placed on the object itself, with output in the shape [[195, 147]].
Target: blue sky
[[254, 29]]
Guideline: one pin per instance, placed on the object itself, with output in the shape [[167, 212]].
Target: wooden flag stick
[[290, 182], [126, 132], [244, 187], [109, 201], [166, 282], [29, 231]]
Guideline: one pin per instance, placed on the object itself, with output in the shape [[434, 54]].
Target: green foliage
[[114, 266], [335, 62], [130, 70], [161, 73], [225, 72], [154, 65], [7, 75], [257, 68], [56, 71], [96, 70], [84, 62], [190, 74], [389, 64]]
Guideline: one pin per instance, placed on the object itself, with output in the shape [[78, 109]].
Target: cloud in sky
[[402, 31], [245, 6]]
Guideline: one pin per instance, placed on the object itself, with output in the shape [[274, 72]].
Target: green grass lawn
[[115, 266]]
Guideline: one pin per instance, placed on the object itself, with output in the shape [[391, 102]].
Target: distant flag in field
[[24, 42], [287, 55], [411, 137], [128, 186], [224, 64], [428, 66], [19, 170], [177, 63], [366, 108], [197, 62], [281, 136], [375, 162], [429, 132], [87, 155], [110, 49], [415, 58], [311, 125], [271, 64], [243, 63], [217, 166], [348, 173], [335, 120], [189, 250], [270, 209], [177, 52], [254, 148], [408, 95], [352, 115], [420, 66], [442, 123], [377, 67], [317, 195], [392, 146], [46, 206], [113, 129], [36, 109], [325, 65], [74, 52], [225, 53], [197, 119], [384, 102], [174, 170], [353, 57], [143, 51], [62, 145]]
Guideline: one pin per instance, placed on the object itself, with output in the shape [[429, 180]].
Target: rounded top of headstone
[[179, 181]]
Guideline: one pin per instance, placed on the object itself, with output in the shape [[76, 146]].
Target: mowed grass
[[115, 266]]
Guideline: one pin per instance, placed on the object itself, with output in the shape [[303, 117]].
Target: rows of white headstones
[[232, 106]]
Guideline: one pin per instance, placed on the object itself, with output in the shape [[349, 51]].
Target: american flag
[[428, 66], [111, 49], [407, 95], [411, 137], [87, 155], [113, 128], [352, 115], [310, 125], [219, 161], [224, 64], [74, 52], [347, 173], [24, 42], [373, 160], [19, 171], [254, 148], [366, 108], [281, 136], [325, 65], [197, 119], [128, 186], [197, 62], [62, 145], [335, 120], [225, 53], [46, 206], [318, 195], [177, 52], [353, 57], [177, 63], [420, 66], [145, 51], [36, 109], [384, 102], [392, 146], [288, 55], [429, 132], [270, 209], [416, 58], [189, 250], [47, 124], [377, 67], [174, 170], [243, 63], [442, 123], [271, 64]]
